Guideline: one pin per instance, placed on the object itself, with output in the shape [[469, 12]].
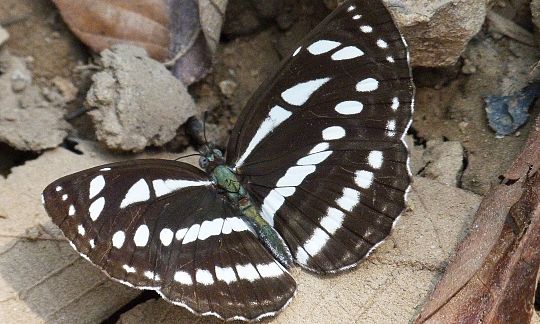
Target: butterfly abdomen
[[225, 179]]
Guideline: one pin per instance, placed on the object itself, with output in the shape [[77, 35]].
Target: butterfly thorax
[[226, 179]]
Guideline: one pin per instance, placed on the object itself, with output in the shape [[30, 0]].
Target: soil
[[449, 102]]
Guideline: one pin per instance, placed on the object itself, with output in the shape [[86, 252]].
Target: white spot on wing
[[138, 192], [316, 242], [163, 187], [227, 228], [81, 230], [42, 199], [319, 148], [105, 169], [225, 274], [269, 270], [366, 29], [349, 107], [367, 85], [152, 276], [58, 188], [204, 277], [142, 234], [375, 159], [166, 236], [118, 239], [237, 224], [349, 199], [314, 159], [191, 234], [71, 210], [183, 277], [382, 44], [298, 95], [96, 185], [351, 8], [363, 178], [333, 133], [181, 233], [395, 103], [356, 17], [210, 228], [96, 208], [64, 197], [347, 53], [333, 220], [391, 128], [129, 269], [297, 51], [92, 243], [295, 175], [276, 116], [390, 59], [286, 191], [322, 46], [272, 202], [247, 272]]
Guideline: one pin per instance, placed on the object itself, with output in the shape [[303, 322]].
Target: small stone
[[463, 126], [20, 80], [228, 87], [66, 88], [444, 161], [4, 35], [468, 67]]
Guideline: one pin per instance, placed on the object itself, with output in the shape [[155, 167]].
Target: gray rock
[[535, 12], [438, 31], [444, 161], [4, 35], [139, 103], [23, 104], [416, 155]]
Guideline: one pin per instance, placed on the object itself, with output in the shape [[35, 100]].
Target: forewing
[[320, 145], [161, 225]]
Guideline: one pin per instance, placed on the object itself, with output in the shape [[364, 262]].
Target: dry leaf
[[492, 277], [103, 23], [183, 32]]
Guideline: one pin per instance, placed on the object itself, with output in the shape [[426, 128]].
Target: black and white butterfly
[[315, 173]]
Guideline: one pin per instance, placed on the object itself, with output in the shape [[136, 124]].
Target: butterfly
[[315, 175]]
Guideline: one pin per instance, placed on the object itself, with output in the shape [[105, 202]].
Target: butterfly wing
[[320, 145], [161, 225]]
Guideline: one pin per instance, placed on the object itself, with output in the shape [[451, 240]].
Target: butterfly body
[[315, 173], [225, 178]]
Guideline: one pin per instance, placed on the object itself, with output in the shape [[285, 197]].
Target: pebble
[[228, 87], [4, 35]]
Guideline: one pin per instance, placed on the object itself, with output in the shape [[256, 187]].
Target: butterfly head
[[210, 158]]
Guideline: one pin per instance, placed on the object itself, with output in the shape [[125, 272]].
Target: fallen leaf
[[184, 33], [103, 23], [492, 277]]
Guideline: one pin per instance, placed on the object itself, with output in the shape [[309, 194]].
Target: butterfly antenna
[[186, 156], [204, 126]]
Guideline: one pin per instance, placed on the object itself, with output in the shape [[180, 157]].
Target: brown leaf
[[103, 23], [492, 277], [183, 32], [192, 55]]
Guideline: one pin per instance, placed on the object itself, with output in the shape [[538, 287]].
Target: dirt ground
[[449, 102]]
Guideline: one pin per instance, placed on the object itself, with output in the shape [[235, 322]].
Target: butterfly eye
[[217, 153], [203, 162]]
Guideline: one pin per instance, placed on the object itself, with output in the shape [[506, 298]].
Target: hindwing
[[161, 225]]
